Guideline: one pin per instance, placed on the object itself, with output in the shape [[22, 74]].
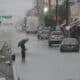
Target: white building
[[75, 9]]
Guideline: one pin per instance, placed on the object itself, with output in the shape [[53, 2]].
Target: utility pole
[[37, 6], [67, 12], [49, 5], [67, 16], [56, 12]]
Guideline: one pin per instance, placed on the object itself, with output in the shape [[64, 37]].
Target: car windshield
[[69, 41], [44, 31], [57, 33]]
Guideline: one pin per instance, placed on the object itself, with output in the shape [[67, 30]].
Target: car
[[43, 33], [55, 37], [69, 44]]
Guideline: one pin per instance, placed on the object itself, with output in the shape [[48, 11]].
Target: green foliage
[[49, 19]]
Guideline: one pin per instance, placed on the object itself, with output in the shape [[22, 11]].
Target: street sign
[[5, 17]]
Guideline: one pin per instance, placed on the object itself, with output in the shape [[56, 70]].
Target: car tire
[[61, 50], [38, 37], [77, 50], [50, 45], [41, 38]]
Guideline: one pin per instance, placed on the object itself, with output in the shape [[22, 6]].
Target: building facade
[[75, 9]]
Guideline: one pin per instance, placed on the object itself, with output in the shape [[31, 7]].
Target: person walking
[[23, 48], [23, 52]]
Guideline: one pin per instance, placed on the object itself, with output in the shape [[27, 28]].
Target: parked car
[[69, 44], [55, 37], [43, 33]]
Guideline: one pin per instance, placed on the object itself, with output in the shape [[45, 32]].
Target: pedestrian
[[23, 52], [23, 49]]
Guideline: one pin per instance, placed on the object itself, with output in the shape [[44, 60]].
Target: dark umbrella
[[22, 42]]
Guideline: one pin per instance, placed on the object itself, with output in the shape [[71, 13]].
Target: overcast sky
[[15, 7]]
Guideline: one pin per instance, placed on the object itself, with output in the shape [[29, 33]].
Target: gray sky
[[15, 7]]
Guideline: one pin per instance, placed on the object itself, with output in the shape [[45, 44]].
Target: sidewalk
[[17, 36], [12, 36], [6, 68]]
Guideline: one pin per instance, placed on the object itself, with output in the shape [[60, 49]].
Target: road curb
[[14, 72]]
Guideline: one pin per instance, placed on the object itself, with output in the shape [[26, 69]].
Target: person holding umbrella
[[23, 49]]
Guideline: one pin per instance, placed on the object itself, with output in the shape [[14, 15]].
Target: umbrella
[[22, 42]]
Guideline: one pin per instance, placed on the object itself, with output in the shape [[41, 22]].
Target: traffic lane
[[67, 63], [48, 63], [41, 47]]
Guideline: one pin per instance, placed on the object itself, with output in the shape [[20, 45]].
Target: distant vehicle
[[32, 24], [55, 37], [43, 33], [69, 44]]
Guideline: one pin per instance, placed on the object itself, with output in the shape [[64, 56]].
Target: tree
[[49, 17], [49, 21]]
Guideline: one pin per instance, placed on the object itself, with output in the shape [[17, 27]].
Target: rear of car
[[69, 44], [43, 34], [55, 37]]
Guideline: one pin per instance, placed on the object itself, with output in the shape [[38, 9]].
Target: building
[[78, 1], [75, 9]]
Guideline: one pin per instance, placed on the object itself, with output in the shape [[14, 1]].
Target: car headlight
[[52, 36]]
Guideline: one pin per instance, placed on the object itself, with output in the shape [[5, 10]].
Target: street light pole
[[68, 15], [56, 12], [67, 12], [37, 6], [49, 5]]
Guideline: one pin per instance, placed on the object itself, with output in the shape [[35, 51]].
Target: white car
[[69, 44], [43, 34], [55, 37]]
